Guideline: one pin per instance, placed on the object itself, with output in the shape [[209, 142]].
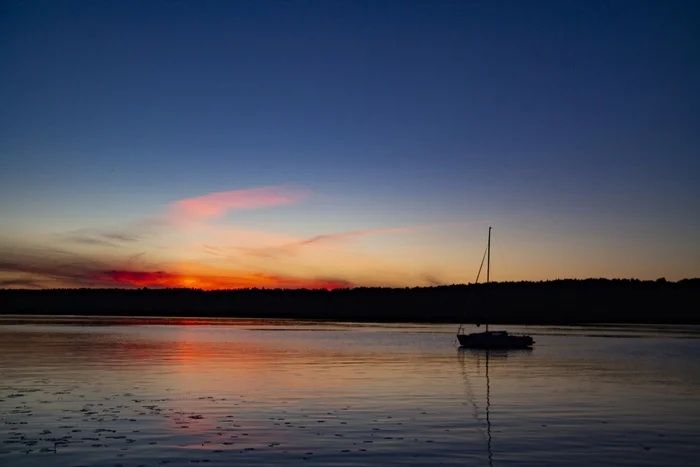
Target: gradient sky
[[221, 144]]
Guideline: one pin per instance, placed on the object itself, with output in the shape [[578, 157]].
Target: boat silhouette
[[491, 339]]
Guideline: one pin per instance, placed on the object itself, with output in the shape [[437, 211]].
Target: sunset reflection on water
[[261, 392]]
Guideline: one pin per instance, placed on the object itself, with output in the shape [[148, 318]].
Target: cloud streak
[[102, 238], [215, 205], [360, 233], [19, 284], [75, 273], [90, 274], [294, 247], [192, 251]]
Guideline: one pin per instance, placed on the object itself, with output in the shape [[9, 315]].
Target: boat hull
[[494, 340]]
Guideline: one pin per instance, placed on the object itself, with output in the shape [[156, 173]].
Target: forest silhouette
[[568, 301]]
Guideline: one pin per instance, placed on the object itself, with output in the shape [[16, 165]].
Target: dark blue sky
[[584, 113]]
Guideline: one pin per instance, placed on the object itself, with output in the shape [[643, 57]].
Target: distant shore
[[567, 301]]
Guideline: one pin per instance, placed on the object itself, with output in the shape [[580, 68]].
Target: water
[[152, 392]]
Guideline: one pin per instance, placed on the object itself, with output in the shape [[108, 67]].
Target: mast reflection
[[476, 356]]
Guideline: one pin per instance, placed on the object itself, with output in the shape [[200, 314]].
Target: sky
[[325, 144]]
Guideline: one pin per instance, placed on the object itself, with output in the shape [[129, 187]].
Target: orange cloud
[[212, 256], [21, 271], [214, 282], [216, 204]]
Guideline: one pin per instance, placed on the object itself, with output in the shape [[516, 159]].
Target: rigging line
[[471, 296], [481, 266]]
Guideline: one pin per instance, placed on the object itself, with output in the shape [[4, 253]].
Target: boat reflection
[[477, 357]]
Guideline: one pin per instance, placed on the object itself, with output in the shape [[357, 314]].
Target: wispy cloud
[[371, 232], [432, 280], [197, 216], [99, 237], [361, 233], [87, 240], [121, 236], [191, 246], [212, 250], [77, 272], [216, 205], [295, 246], [19, 284]]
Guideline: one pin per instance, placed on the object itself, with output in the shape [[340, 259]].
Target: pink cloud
[[216, 204]]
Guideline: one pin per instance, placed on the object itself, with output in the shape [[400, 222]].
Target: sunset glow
[[233, 281], [228, 145]]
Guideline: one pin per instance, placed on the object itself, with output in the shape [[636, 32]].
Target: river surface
[[146, 392]]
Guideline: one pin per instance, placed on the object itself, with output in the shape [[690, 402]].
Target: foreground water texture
[[181, 392]]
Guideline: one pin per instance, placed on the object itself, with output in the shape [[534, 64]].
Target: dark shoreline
[[568, 301]]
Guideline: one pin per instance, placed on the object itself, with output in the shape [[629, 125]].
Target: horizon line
[[145, 288]]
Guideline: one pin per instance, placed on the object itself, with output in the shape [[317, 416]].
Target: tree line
[[566, 301]]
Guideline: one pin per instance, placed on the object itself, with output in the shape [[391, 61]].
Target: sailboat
[[492, 339]]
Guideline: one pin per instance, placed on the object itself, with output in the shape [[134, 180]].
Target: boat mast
[[488, 258], [488, 268]]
